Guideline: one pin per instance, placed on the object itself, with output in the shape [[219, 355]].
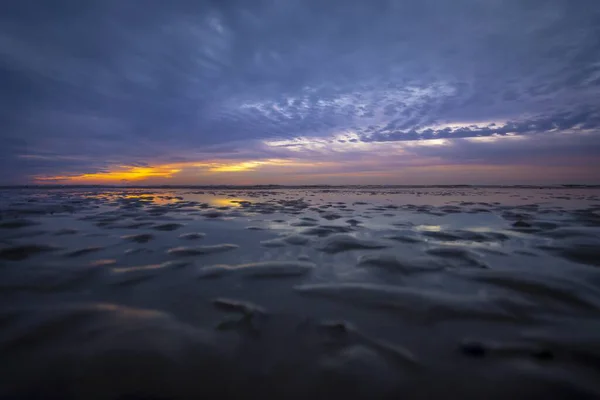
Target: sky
[[425, 92]]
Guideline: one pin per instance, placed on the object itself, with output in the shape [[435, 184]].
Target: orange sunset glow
[[169, 171]]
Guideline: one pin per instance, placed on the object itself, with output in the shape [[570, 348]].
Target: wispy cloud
[[117, 87]]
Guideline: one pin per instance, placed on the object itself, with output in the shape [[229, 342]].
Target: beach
[[359, 292]]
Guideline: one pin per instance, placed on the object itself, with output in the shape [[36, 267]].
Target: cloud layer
[[103, 86]]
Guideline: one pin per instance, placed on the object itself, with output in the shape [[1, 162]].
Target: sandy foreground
[[393, 293]]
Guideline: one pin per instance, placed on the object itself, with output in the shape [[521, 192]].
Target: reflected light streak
[[226, 201]]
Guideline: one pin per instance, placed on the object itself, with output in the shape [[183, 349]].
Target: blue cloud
[[130, 82]]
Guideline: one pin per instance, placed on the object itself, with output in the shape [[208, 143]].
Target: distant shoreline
[[262, 187]]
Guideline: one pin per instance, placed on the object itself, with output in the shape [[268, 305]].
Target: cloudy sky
[[300, 91]]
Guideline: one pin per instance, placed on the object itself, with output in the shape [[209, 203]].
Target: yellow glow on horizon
[[241, 166], [167, 171], [121, 174]]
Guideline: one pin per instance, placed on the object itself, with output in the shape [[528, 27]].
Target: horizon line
[[75, 186]]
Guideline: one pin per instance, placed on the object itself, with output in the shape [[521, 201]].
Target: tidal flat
[[358, 292]]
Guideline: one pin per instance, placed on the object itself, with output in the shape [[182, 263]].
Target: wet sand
[[414, 293]]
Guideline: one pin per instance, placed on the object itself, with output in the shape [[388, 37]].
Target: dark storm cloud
[[128, 81]]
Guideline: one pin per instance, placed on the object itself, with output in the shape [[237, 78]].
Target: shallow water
[[362, 293]]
